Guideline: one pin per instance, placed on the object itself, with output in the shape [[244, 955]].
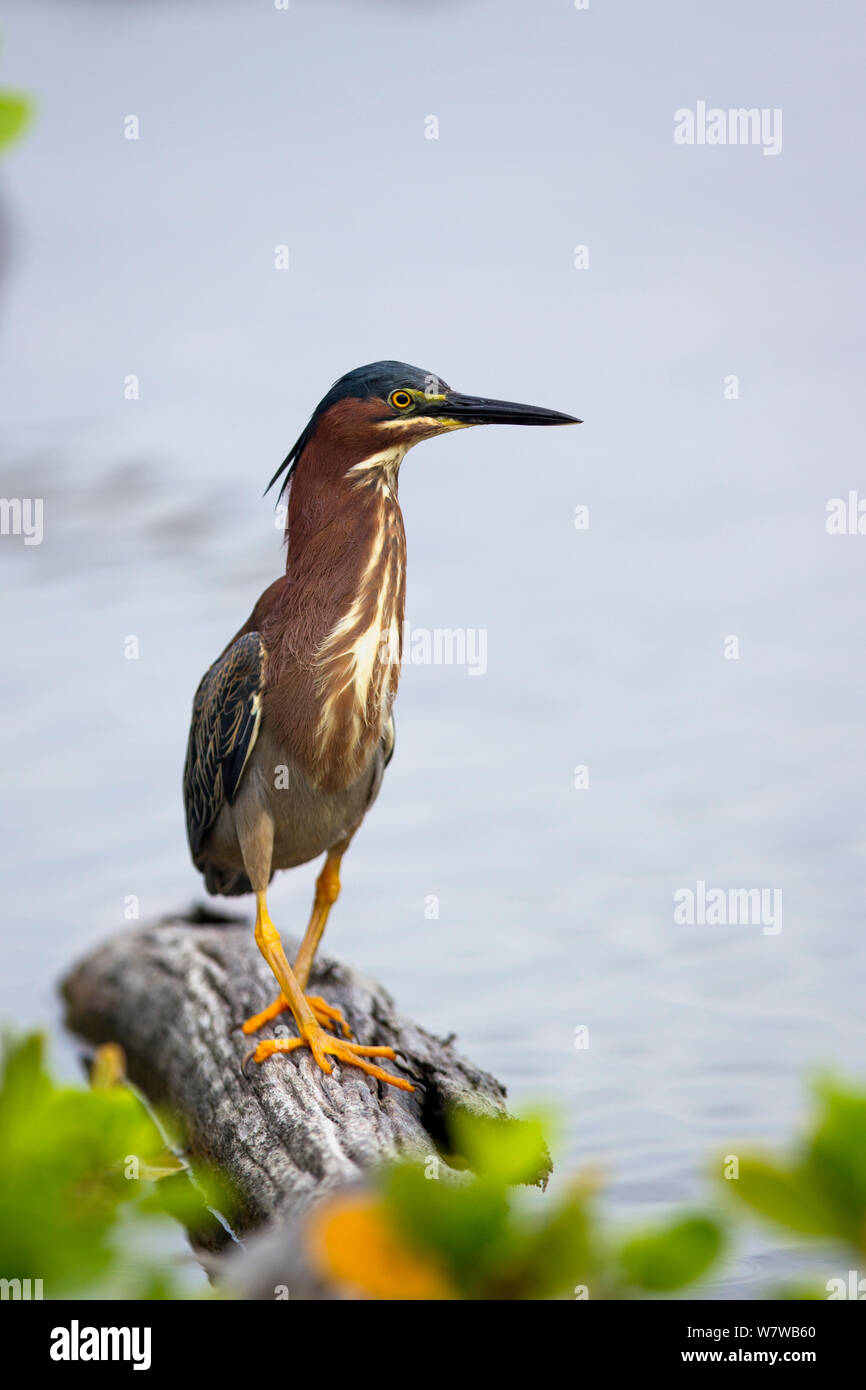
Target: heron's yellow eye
[[401, 399]]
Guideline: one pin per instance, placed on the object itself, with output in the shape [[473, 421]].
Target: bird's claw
[[323, 1044], [328, 1015]]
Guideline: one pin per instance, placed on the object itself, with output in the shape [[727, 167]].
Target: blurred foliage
[[422, 1235], [86, 1181], [672, 1256], [16, 110], [427, 1235], [85, 1177], [820, 1190]]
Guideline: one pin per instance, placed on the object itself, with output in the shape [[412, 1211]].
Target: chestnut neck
[[334, 634], [333, 499]]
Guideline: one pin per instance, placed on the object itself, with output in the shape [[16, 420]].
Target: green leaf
[[793, 1197], [671, 1256], [15, 113], [801, 1293], [555, 1256], [836, 1156], [503, 1149], [70, 1161], [463, 1223]]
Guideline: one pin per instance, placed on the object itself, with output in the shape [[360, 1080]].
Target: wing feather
[[226, 714]]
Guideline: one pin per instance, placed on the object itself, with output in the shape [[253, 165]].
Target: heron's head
[[386, 407]]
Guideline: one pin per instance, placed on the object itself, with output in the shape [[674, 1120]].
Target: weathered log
[[171, 996]]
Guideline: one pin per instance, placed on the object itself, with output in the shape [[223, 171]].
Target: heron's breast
[[357, 666]]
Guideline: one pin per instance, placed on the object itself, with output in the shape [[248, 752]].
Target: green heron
[[292, 726]]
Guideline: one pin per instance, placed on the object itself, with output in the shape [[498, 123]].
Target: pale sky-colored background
[[605, 648]]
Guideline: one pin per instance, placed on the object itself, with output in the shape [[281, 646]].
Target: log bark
[[171, 994]]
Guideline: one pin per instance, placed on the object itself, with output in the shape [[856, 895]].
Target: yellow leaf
[[108, 1068], [352, 1243]]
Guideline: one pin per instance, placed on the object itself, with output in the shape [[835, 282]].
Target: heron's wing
[[226, 714], [389, 739]]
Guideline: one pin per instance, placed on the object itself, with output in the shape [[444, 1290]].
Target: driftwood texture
[[171, 994]]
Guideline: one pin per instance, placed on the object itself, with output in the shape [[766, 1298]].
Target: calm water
[[605, 647]]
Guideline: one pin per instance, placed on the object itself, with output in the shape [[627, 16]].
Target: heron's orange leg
[[312, 1034], [327, 892]]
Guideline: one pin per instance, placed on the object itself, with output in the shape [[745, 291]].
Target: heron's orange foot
[[325, 1014], [323, 1045]]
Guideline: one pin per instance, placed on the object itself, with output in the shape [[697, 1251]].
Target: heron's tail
[[227, 883]]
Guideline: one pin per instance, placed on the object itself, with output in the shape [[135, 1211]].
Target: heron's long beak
[[478, 410]]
